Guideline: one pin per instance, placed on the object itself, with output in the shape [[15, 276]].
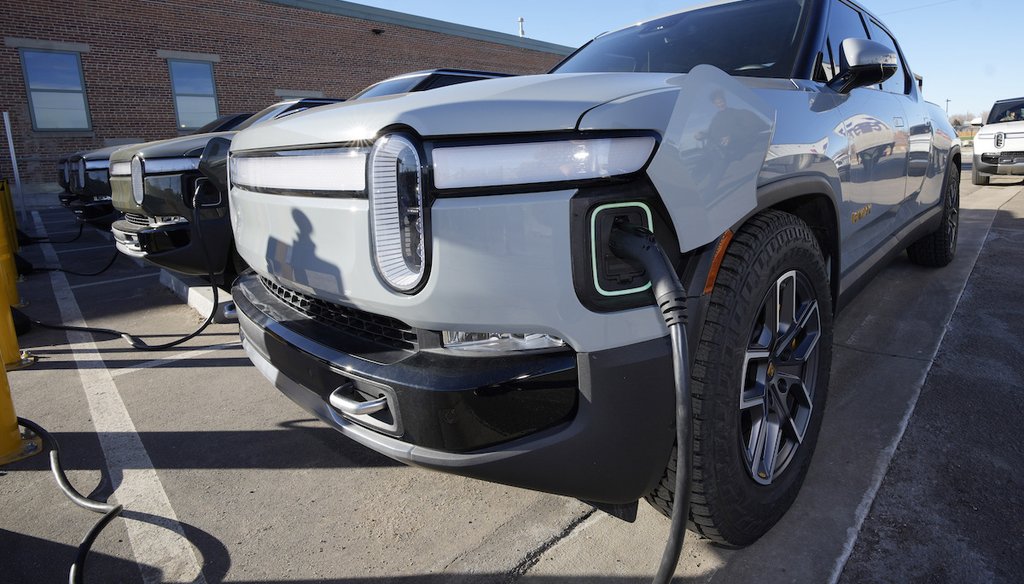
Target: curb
[[198, 294]]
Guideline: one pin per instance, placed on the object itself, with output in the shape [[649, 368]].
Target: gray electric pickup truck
[[432, 274]]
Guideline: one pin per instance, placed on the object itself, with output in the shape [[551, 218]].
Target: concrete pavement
[[262, 493]]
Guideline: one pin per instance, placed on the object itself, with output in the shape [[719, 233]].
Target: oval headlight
[[397, 212], [137, 190]]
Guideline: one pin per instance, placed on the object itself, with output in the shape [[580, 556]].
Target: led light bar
[[459, 167], [168, 165], [138, 188], [123, 168], [316, 171], [397, 212]]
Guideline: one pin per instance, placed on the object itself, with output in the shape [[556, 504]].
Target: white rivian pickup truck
[[432, 273]]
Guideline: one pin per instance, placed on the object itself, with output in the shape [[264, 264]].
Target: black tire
[[938, 248], [979, 178], [728, 505]]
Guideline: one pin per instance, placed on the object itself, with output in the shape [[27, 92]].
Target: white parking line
[[114, 280], [163, 549]]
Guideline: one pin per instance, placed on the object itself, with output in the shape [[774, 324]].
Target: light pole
[[947, 106]]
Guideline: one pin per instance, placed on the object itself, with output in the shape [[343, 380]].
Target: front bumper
[[1002, 163], [175, 246], [92, 210], [595, 426]]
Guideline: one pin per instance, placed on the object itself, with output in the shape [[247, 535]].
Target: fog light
[[499, 342]]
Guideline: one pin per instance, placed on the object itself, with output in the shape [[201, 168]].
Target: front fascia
[[500, 263]]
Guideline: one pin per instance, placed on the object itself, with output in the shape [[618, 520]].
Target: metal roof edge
[[373, 14]]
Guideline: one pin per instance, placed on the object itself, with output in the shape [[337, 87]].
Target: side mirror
[[977, 123], [862, 63], [214, 163]]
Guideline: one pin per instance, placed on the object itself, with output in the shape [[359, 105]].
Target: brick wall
[[261, 47]]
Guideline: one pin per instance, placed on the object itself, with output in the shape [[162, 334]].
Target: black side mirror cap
[[214, 163]]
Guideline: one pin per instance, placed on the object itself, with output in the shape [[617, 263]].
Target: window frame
[[175, 94], [908, 82], [28, 90]]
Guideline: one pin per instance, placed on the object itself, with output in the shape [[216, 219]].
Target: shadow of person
[[299, 263]]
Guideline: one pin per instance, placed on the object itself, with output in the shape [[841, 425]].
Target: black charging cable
[[136, 341], [109, 510], [26, 239], [109, 264], [637, 245]]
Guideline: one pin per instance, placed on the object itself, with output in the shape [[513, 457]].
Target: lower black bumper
[[595, 426], [93, 211], [176, 246], [1000, 165]]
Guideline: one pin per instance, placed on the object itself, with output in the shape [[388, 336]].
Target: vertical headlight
[[137, 187], [396, 212]]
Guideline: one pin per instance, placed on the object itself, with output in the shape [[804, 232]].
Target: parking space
[[225, 480]]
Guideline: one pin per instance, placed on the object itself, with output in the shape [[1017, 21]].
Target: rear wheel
[[759, 381], [938, 248]]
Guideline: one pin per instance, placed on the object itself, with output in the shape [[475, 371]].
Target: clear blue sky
[[968, 51]]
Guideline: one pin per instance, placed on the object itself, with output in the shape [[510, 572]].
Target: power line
[[929, 5]]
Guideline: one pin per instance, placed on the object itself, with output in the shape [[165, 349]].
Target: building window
[[56, 92], [195, 100]]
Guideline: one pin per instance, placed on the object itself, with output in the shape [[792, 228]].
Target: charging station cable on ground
[[135, 341], [26, 239], [638, 246], [109, 510]]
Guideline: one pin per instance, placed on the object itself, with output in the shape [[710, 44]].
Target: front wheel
[[979, 178], [759, 381]]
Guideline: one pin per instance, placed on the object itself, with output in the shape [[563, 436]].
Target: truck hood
[[536, 103], [1005, 127], [184, 146], [103, 153]]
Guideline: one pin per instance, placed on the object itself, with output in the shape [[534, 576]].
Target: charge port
[[614, 276]]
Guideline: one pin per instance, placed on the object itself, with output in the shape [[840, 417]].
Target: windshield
[[390, 87], [263, 115], [1007, 111], [754, 38], [223, 123]]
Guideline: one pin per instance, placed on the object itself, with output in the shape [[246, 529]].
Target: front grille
[[385, 330], [159, 221], [136, 219], [1003, 158]]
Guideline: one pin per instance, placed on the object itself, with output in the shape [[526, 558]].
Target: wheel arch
[[813, 200]]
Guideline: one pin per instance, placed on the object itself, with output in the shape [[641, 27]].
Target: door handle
[[898, 122]]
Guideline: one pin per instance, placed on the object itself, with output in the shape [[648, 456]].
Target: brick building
[[83, 75]]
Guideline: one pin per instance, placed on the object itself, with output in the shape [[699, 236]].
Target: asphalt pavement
[[225, 480]]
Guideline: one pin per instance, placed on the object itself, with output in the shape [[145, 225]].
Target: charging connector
[[638, 246]]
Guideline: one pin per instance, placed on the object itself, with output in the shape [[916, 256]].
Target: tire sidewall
[[746, 509]]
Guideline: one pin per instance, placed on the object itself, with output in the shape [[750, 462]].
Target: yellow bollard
[[8, 276], [7, 200], [12, 355], [12, 445]]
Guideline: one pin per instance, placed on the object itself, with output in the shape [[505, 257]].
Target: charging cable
[[109, 510], [137, 342], [26, 239], [637, 245]]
